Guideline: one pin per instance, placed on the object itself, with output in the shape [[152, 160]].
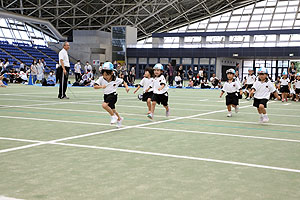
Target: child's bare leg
[[117, 114], [149, 105], [153, 106], [229, 108], [259, 111], [167, 108], [107, 108], [262, 109]]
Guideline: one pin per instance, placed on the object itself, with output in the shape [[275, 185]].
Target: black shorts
[[284, 89], [111, 99], [249, 86], [232, 99], [161, 98], [256, 102], [297, 91], [147, 95]]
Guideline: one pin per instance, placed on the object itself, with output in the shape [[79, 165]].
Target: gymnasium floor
[[65, 149]]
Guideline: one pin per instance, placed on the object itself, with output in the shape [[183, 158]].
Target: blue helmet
[[108, 66], [262, 70], [231, 71], [284, 73], [298, 74], [158, 66]]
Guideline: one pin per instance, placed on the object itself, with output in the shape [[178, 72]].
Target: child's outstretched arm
[[221, 94], [137, 89], [126, 87], [96, 86]]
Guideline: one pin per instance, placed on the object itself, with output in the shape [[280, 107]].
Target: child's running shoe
[[229, 114], [150, 116], [265, 119], [119, 122], [168, 112], [114, 119], [236, 109]]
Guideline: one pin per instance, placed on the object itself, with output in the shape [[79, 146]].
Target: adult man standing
[[64, 66]]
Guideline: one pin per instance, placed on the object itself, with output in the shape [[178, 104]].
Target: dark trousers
[[77, 77], [58, 73], [63, 82], [171, 80]]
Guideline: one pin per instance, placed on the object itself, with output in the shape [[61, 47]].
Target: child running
[[285, 86], [262, 88], [147, 83], [249, 83], [297, 86], [109, 83], [160, 88], [233, 89]]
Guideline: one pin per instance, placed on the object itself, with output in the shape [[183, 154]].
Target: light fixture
[[235, 55], [291, 55]]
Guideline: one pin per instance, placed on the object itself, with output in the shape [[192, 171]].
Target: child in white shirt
[[160, 88], [109, 83], [147, 83], [262, 88]]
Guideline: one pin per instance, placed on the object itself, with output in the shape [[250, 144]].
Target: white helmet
[[262, 70], [108, 66], [231, 71], [158, 66]]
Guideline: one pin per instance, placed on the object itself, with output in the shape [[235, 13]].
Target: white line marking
[[157, 154], [8, 198], [112, 130], [149, 128], [244, 122], [184, 157]]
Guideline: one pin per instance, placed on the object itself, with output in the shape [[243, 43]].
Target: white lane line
[[84, 111], [244, 122], [277, 115], [8, 198], [113, 130], [19, 140], [152, 128], [183, 157], [222, 134], [55, 142]]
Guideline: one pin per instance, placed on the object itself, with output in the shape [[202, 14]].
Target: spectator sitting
[[215, 81], [178, 80], [204, 83], [22, 77], [196, 80], [51, 81], [191, 83]]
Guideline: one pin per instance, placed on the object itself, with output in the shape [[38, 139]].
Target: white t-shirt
[[111, 86], [157, 83], [232, 87], [63, 55], [86, 67], [177, 78], [284, 81], [201, 72], [77, 68], [146, 83], [297, 84], [33, 69], [263, 89], [250, 79]]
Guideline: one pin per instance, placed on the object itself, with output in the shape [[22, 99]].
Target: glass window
[[245, 18], [204, 61], [7, 33], [256, 17], [233, 25], [3, 22], [258, 11], [17, 35], [24, 35], [186, 61]]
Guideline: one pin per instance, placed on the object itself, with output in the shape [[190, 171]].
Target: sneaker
[[229, 115], [236, 109], [114, 119], [249, 98], [286, 100], [168, 113], [265, 119], [150, 116], [119, 122], [282, 100]]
